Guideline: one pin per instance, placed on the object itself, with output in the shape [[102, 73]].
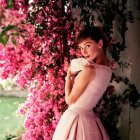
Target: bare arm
[[74, 90]]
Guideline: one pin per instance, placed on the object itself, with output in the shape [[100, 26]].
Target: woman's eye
[[87, 46], [80, 48]]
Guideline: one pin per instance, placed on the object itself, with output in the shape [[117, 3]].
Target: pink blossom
[[38, 63], [113, 65]]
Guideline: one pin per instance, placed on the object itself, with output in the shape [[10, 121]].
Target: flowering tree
[[36, 45]]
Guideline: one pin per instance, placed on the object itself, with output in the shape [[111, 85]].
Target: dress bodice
[[95, 88]]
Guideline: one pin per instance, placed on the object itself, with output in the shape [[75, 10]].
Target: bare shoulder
[[88, 72], [89, 69]]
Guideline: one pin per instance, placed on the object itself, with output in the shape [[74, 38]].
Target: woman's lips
[[87, 56]]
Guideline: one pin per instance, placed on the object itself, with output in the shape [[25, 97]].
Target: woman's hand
[[68, 84], [70, 75]]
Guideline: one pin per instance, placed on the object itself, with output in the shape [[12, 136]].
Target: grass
[[10, 120]]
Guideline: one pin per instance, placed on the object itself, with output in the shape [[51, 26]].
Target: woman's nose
[[84, 51]]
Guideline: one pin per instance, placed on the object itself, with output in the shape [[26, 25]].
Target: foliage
[[39, 44], [130, 94], [9, 137], [17, 135], [109, 107]]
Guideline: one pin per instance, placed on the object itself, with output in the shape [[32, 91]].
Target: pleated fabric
[[80, 124]]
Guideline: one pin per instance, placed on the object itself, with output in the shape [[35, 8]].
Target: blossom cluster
[[38, 60]]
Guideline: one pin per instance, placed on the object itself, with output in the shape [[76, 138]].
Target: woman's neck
[[102, 61]]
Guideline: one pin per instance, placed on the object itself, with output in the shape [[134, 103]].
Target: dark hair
[[95, 33]]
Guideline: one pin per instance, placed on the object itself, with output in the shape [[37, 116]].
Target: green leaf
[[5, 40], [14, 41], [4, 37], [1, 41], [10, 4], [8, 28]]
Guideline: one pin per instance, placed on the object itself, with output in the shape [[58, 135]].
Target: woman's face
[[90, 49]]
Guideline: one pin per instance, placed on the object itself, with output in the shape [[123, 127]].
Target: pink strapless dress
[[79, 122]]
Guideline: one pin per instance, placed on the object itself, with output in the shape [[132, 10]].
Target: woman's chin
[[89, 60]]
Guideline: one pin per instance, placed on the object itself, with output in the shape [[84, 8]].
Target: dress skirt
[[79, 124]]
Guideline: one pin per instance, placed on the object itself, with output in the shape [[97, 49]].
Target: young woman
[[82, 92]]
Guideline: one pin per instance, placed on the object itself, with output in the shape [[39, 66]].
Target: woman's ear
[[100, 43]]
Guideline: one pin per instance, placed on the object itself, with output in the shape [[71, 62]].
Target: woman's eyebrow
[[79, 46], [84, 44], [87, 43]]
